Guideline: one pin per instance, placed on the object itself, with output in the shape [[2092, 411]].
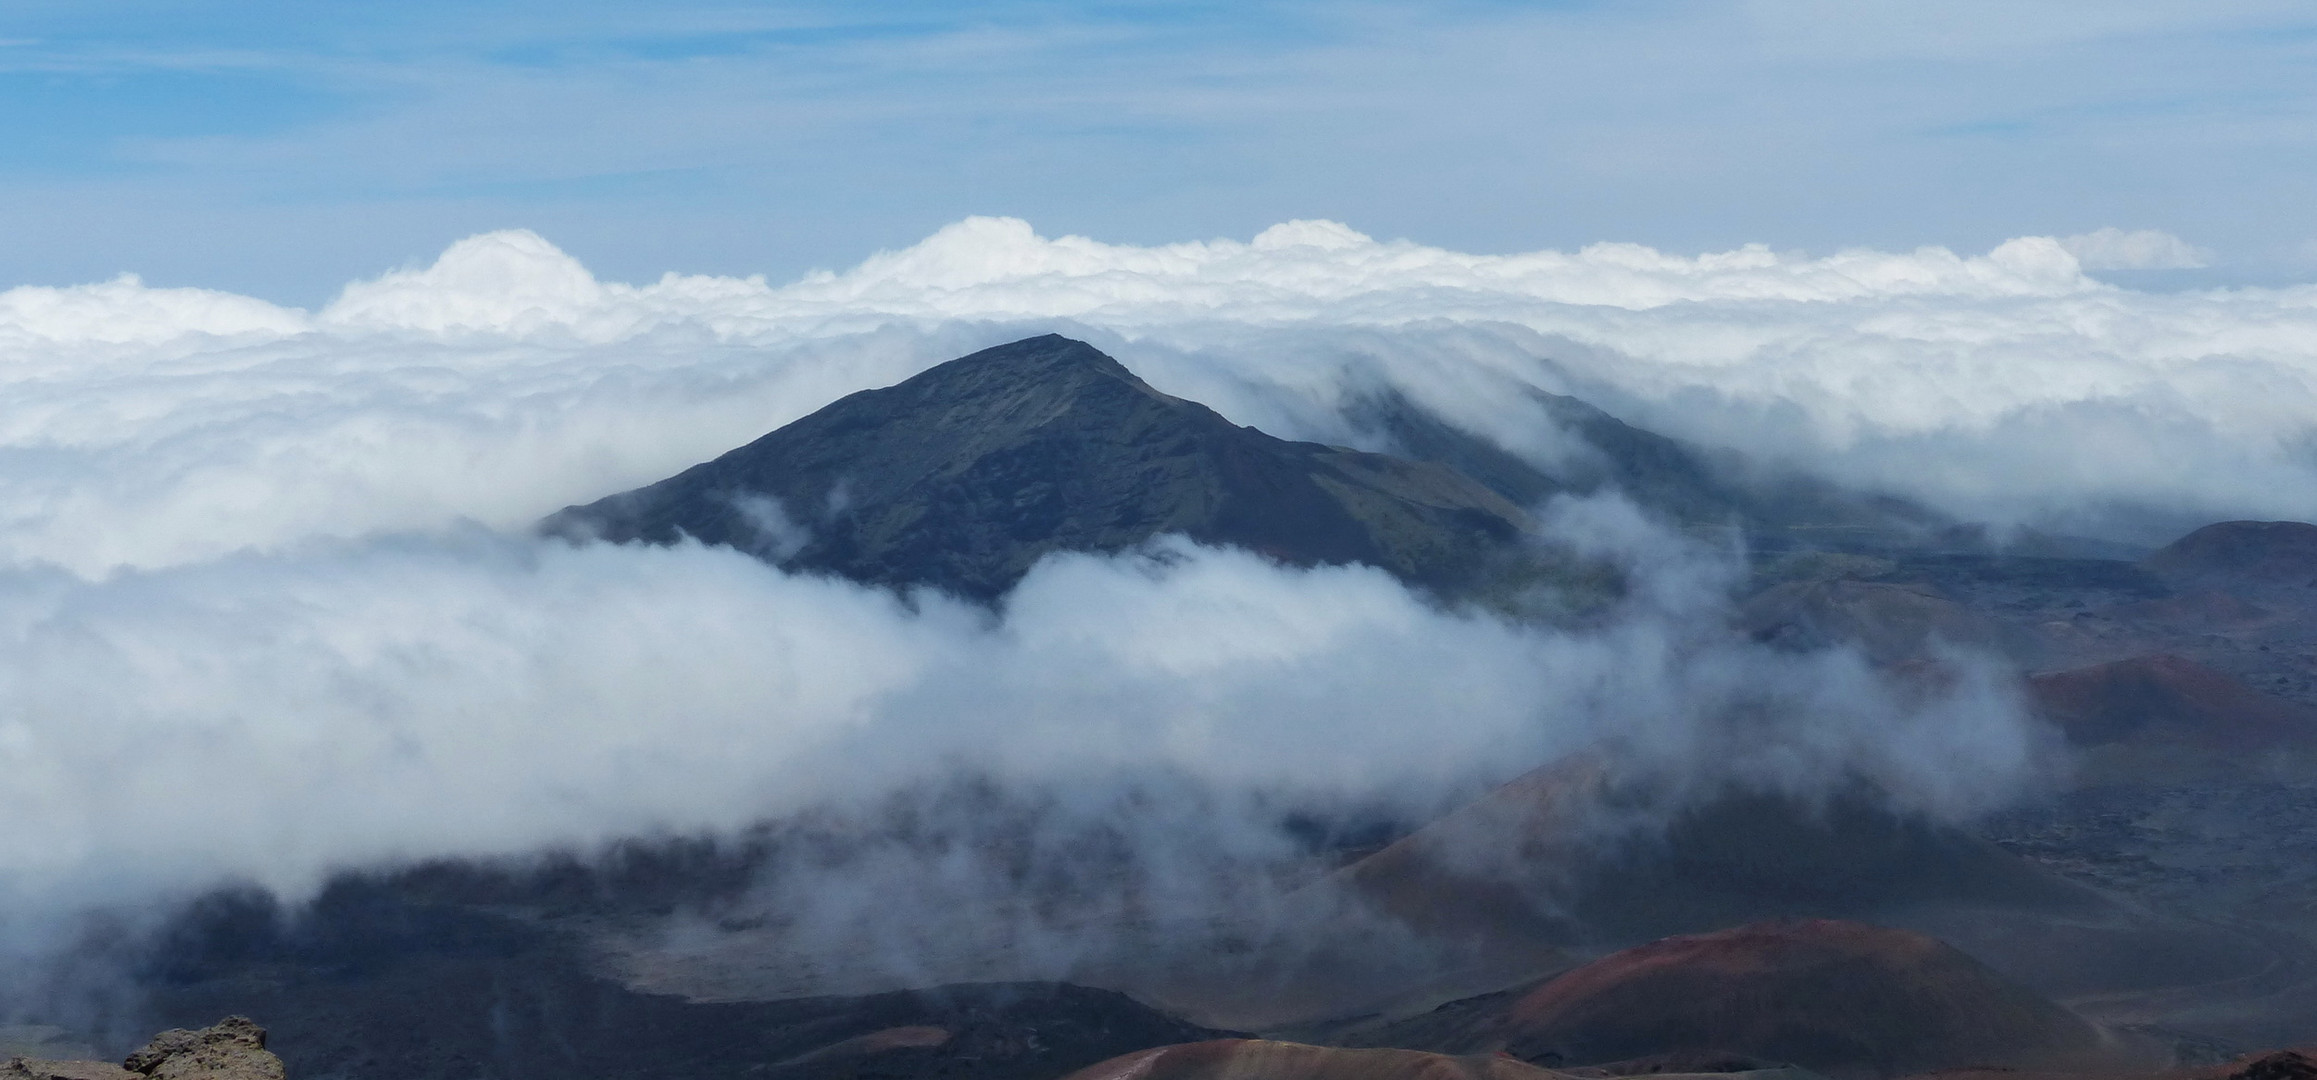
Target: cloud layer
[[269, 611], [271, 718], [149, 426]]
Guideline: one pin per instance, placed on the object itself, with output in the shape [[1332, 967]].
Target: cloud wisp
[[2112, 248]]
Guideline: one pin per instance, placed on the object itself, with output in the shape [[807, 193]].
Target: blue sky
[[284, 148]]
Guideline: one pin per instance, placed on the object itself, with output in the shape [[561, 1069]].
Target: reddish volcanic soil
[[1465, 875], [2168, 719], [2169, 698], [1262, 1059], [1842, 998]]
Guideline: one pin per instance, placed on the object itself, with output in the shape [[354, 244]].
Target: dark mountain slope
[[1538, 858], [1683, 483], [965, 475], [2257, 555], [379, 980]]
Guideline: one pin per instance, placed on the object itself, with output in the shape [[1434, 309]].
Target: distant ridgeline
[[965, 475]]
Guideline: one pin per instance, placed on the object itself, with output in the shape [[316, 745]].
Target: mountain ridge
[[965, 475]]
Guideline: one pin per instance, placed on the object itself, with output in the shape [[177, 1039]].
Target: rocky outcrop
[[25, 1068], [231, 1049]]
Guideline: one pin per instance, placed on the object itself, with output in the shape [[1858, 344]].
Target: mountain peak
[[1044, 350], [965, 475], [996, 385], [1041, 356]]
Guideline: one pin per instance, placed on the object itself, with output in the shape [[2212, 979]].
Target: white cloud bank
[[150, 426], [265, 614], [273, 718]]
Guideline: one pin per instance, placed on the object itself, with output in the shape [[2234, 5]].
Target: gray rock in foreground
[[231, 1049]]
